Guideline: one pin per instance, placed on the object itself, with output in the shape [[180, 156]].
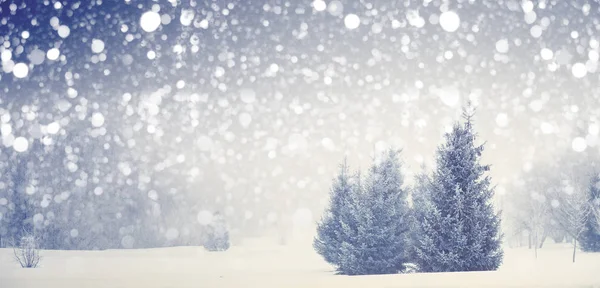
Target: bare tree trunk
[[543, 239], [535, 243], [520, 240], [529, 238], [574, 248]]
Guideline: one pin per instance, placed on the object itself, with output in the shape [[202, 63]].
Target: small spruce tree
[[590, 238], [347, 262], [457, 227], [383, 229], [376, 240], [419, 193], [217, 235]]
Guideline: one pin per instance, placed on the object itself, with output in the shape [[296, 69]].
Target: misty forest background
[[246, 109]]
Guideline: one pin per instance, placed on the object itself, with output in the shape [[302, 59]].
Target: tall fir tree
[[457, 227], [590, 238], [329, 238], [378, 243]]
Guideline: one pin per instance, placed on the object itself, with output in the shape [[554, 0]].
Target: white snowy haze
[[128, 124]]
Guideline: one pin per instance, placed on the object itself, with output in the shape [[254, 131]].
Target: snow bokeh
[[319, 5], [579, 70], [20, 70], [20, 144], [97, 45], [64, 31], [247, 107], [97, 119], [579, 144], [450, 21], [150, 21], [205, 217], [352, 21]]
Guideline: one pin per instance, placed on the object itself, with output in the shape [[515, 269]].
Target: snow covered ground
[[280, 267]]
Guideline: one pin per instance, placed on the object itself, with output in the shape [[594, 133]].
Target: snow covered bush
[[27, 252], [365, 229], [456, 226], [217, 236]]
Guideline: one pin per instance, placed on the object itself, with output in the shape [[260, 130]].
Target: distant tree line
[[87, 186], [557, 199]]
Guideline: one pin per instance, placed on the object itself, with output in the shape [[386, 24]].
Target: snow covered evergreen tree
[[590, 238], [347, 262], [457, 227], [379, 242], [366, 226], [329, 236], [419, 194]]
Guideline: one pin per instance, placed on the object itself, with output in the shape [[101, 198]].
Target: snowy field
[[281, 267]]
